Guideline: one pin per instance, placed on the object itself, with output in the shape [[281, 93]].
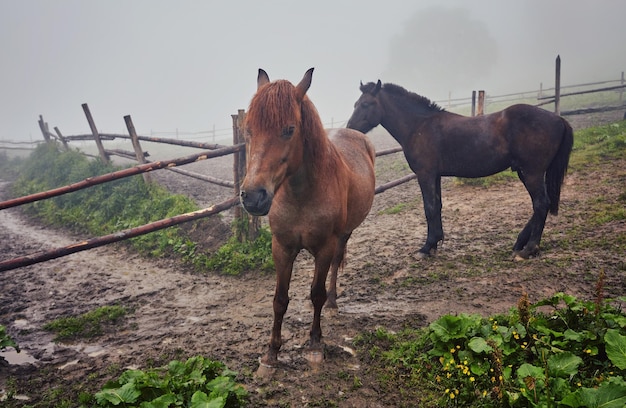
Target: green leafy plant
[[568, 357], [6, 340], [197, 382], [127, 203], [87, 325], [235, 257]]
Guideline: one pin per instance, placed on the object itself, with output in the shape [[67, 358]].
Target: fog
[[189, 65]]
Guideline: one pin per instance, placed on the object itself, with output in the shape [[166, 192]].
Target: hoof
[[265, 371], [525, 254], [426, 255], [331, 305], [314, 357]]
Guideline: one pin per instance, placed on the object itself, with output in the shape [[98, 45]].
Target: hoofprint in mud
[[176, 311]]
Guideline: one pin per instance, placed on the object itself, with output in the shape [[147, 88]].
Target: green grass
[[87, 325], [123, 204]]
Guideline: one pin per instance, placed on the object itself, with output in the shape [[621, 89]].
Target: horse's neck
[[400, 119]]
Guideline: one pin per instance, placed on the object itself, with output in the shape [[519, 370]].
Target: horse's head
[[274, 140], [368, 112]]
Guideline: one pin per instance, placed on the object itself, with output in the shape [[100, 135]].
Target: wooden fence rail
[[115, 237], [142, 168]]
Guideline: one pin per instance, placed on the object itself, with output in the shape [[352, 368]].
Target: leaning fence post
[[42, 126], [58, 132], [103, 155], [136, 146]]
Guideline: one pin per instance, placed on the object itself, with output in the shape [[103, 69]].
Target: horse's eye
[[288, 131]]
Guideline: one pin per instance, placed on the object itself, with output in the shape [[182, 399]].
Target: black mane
[[422, 101]]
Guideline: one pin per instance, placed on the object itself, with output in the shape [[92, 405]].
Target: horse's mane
[[412, 97], [273, 108]]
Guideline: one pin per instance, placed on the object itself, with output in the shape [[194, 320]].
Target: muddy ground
[[179, 313]]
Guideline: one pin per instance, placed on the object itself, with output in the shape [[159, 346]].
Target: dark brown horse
[[316, 187], [531, 141]]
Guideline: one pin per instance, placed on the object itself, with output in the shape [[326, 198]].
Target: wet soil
[[178, 313]]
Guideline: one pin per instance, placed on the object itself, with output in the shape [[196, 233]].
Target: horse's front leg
[[283, 260], [431, 195]]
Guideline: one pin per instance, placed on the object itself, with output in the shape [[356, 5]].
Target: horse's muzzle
[[256, 202]]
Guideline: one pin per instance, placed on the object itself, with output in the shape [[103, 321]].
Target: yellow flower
[[451, 395], [472, 379], [588, 351]]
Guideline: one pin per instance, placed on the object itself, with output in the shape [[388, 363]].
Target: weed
[[196, 382], [87, 325], [575, 354], [6, 340]]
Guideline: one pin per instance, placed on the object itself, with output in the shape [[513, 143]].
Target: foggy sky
[[189, 65]]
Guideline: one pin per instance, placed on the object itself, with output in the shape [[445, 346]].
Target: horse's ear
[[304, 84], [262, 79], [378, 86]]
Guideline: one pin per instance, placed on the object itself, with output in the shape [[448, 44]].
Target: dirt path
[[177, 313]]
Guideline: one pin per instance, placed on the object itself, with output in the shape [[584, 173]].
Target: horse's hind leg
[[323, 259], [338, 259], [431, 194], [528, 240]]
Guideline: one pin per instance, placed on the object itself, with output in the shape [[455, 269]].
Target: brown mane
[[275, 105]]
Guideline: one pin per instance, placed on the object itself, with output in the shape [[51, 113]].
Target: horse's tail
[[558, 167]]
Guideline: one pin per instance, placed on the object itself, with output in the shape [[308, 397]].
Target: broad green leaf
[[608, 395], [571, 335], [616, 348], [479, 345], [200, 400], [164, 401], [127, 393], [454, 327], [529, 370], [564, 364]]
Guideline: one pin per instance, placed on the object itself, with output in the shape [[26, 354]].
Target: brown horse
[[316, 187], [531, 141]]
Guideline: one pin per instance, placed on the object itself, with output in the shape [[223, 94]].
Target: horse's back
[[358, 154], [356, 149]]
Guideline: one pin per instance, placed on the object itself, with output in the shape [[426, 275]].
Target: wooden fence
[[145, 167], [213, 150]]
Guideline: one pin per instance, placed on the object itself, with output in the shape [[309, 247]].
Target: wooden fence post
[[103, 155], [65, 145], [246, 226], [621, 91], [557, 86], [481, 103], [136, 146], [44, 132], [473, 103]]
